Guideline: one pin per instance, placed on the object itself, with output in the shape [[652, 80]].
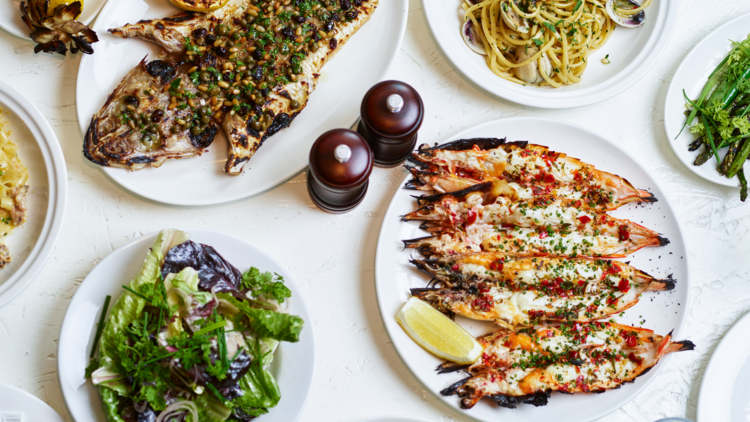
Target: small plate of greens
[[707, 108], [167, 329]]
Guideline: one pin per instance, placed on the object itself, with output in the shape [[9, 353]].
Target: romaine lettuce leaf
[[110, 400], [210, 410], [128, 307], [268, 324], [261, 391], [182, 288]]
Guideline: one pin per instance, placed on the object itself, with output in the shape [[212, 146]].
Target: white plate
[[293, 365], [632, 53], [393, 419], [394, 276], [725, 389], [691, 76], [10, 16], [18, 403], [362, 62], [31, 245]]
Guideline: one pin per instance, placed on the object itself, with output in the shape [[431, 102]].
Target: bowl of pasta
[[552, 54], [33, 190]]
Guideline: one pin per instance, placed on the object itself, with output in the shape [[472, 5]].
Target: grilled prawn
[[606, 237], [530, 170], [482, 204], [526, 365], [522, 291]]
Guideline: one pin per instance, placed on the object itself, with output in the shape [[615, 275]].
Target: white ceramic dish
[[632, 53], [725, 389], [293, 365], [363, 61], [691, 76], [393, 419], [663, 312], [10, 16], [20, 404], [32, 244]]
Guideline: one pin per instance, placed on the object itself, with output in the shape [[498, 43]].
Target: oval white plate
[[725, 389], [10, 16], [15, 402], [394, 275], [293, 365], [32, 244], [362, 62], [632, 53], [691, 76]]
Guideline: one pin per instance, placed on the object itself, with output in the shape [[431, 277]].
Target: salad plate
[[631, 52], [18, 404], [363, 61], [725, 390], [32, 244], [11, 22], [662, 312], [691, 76], [293, 363]]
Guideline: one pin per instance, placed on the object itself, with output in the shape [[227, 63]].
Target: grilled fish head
[[116, 139]]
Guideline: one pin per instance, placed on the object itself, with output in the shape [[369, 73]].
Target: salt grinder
[[391, 115], [340, 166]]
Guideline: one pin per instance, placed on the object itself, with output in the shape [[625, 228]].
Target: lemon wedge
[[54, 3], [200, 5], [435, 332]]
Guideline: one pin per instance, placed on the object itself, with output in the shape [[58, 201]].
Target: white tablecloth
[[358, 373]]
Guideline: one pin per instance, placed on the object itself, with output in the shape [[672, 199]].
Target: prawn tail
[[657, 285], [646, 196]]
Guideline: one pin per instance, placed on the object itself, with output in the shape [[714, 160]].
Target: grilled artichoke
[[54, 29]]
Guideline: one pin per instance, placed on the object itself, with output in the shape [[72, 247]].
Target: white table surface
[[358, 373]]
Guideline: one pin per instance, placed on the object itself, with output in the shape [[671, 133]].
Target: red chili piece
[[623, 286], [584, 219], [471, 217], [624, 235]]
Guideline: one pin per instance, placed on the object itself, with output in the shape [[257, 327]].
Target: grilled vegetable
[[531, 170], [526, 365], [512, 291], [54, 25]]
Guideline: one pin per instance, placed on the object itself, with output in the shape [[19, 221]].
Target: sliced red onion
[[176, 408]]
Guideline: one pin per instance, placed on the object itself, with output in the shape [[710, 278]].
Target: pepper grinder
[[340, 167], [391, 115]]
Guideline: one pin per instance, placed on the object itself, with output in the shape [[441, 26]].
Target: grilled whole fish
[[254, 65], [526, 365], [136, 127], [479, 204], [531, 170], [512, 291]]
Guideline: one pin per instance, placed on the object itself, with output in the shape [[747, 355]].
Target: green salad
[[191, 338]]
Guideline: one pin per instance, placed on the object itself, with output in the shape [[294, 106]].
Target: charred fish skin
[[521, 366], [136, 127], [277, 55], [512, 291], [532, 170]]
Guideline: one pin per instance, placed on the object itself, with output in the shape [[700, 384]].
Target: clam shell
[[511, 18], [632, 21], [530, 73], [471, 38]]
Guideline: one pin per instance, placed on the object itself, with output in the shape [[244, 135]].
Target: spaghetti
[[540, 42]]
